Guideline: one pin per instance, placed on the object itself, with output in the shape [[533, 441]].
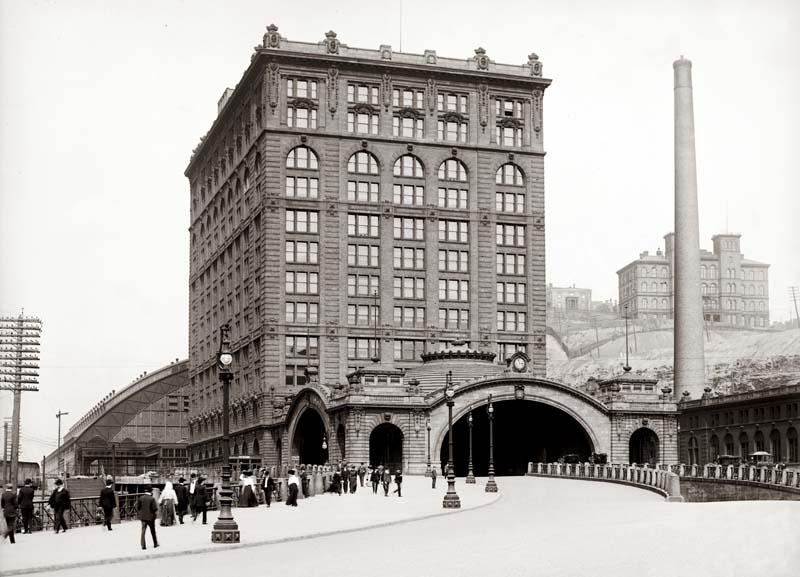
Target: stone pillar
[[689, 359]]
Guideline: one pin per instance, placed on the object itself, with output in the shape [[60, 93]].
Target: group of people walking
[[348, 477]]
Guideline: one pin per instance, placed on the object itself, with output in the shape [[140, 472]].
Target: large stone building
[[735, 290], [370, 224], [569, 298]]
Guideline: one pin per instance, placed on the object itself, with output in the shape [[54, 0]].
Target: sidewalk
[[316, 516]]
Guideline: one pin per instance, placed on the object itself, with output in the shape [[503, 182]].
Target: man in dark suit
[[183, 498], [25, 502], [269, 487], [192, 487], [59, 501], [108, 501], [199, 500], [146, 510], [8, 501]]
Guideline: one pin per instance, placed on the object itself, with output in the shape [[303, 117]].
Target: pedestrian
[[25, 502], [182, 493], [346, 477], [108, 502], [398, 479], [199, 500], [362, 472], [8, 502], [375, 479], [146, 510], [336, 483], [192, 486], [269, 487], [353, 480], [433, 477], [59, 501], [293, 486], [247, 496], [386, 479], [304, 480], [166, 504]]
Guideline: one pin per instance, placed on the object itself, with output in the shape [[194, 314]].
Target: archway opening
[[643, 447], [341, 441], [386, 446], [524, 432], [308, 439]]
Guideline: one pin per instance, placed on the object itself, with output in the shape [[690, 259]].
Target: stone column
[[689, 361]]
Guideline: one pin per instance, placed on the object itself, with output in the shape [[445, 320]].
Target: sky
[[101, 104]]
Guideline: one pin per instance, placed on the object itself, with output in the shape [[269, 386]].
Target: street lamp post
[[428, 427], [491, 486], [451, 500], [225, 529], [470, 474]]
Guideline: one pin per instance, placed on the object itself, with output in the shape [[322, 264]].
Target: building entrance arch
[[525, 431], [308, 439], [643, 447], [386, 446]]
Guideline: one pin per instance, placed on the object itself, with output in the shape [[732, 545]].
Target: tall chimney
[[689, 361]]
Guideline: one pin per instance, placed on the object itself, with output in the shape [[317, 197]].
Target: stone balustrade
[[772, 476]]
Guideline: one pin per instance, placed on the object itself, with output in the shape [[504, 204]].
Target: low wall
[[700, 490]]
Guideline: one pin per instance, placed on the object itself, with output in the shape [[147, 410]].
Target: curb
[[165, 555]]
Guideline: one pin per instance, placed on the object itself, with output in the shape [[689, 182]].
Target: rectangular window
[[408, 349], [452, 131], [363, 225], [362, 122], [454, 318], [508, 108], [304, 221], [302, 252], [361, 348], [299, 282], [452, 102], [302, 346], [408, 127], [301, 88], [453, 198], [408, 194], [409, 228], [362, 93], [453, 231], [510, 234], [409, 317], [453, 290], [510, 263], [362, 315], [302, 187], [508, 136], [363, 255], [409, 258], [509, 202], [511, 293], [408, 98], [302, 313], [301, 117], [361, 285], [511, 321], [505, 350], [454, 260], [409, 287], [362, 191]]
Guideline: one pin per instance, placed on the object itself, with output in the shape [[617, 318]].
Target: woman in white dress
[[166, 505]]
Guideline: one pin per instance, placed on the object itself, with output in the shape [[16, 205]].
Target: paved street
[[539, 526]]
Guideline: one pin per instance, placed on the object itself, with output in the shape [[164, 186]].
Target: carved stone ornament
[[483, 104], [388, 209], [331, 42], [333, 89], [409, 113], [388, 336], [272, 39], [273, 205], [485, 220], [364, 144], [273, 84], [534, 64], [303, 103], [331, 330], [304, 138], [433, 215], [454, 151], [364, 108], [386, 52], [430, 57], [509, 123], [453, 117], [331, 209], [387, 90], [481, 60], [431, 94]]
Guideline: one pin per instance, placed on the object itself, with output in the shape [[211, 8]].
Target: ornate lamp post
[[325, 446], [225, 529], [428, 427], [491, 486], [451, 500], [470, 474]]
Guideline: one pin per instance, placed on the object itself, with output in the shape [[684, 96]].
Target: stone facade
[[569, 298], [735, 290]]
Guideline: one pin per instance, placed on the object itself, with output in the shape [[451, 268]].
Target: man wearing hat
[[8, 501], [25, 502], [108, 501], [59, 501], [183, 498], [146, 510], [199, 500], [398, 479]]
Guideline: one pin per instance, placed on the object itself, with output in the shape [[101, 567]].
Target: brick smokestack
[[689, 361]]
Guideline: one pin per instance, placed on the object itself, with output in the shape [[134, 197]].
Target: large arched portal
[[524, 432], [643, 447], [309, 435], [386, 446]]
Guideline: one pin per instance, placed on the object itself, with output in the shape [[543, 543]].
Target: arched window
[[729, 444], [653, 288], [758, 441], [791, 445], [247, 179], [451, 195], [408, 166], [713, 448], [663, 287], [408, 193], [775, 446], [244, 448], [663, 273], [712, 271], [365, 188], [256, 451], [664, 303], [703, 271], [512, 200], [704, 288], [510, 175], [302, 184], [694, 453], [713, 288], [257, 164], [744, 445], [644, 287]]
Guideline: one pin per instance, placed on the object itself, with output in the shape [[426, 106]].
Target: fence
[[768, 476], [83, 512]]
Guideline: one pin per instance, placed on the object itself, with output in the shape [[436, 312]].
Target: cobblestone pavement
[[539, 526]]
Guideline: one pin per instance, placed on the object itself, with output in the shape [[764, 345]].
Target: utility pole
[[59, 414], [5, 453], [793, 290], [19, 370]]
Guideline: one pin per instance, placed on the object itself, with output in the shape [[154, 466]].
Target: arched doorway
[[524, 431], [694, 452], [309, 435], [386, 446], [340, 441], [643, 447]]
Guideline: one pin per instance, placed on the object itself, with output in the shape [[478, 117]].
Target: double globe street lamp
[[491, 486], [451, 500], [470, 480]]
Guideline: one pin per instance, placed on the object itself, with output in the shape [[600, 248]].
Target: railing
[[662, 481], [771, 476], [83, 512]]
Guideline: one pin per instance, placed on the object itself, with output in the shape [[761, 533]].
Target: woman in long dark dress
[[247, 498]]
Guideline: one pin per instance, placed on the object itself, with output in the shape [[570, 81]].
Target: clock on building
[[519, 362]]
